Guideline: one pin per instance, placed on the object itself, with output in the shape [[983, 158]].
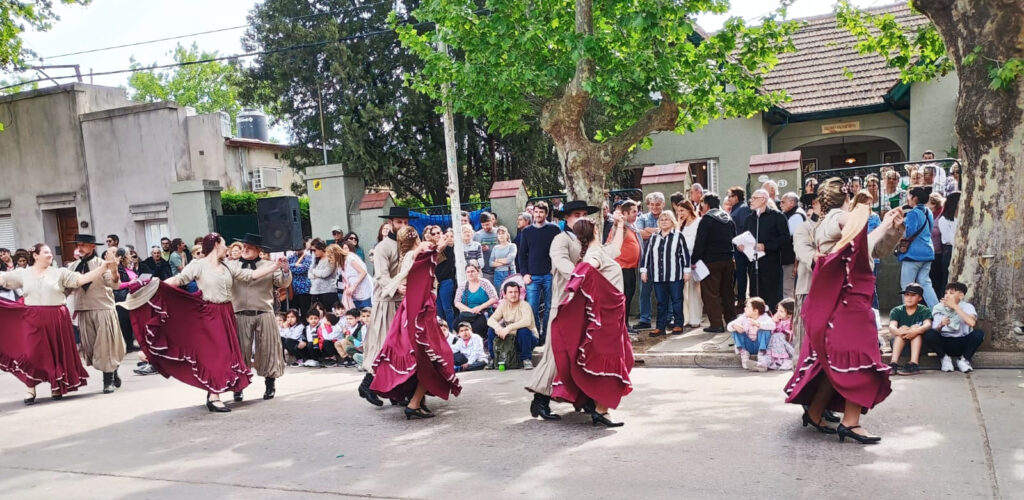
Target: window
[[7, 232], [155, 230], [705, 173]]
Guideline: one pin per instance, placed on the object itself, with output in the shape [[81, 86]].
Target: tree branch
[[658, 119]]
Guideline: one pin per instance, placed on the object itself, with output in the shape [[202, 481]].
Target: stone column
[[332, 201], [195, 205]]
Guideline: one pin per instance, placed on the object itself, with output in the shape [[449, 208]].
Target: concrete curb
[[718, 360]]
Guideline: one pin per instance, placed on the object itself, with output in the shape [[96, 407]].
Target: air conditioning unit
[[266, 179]]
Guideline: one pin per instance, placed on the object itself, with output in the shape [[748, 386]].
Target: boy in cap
[[907, 324]]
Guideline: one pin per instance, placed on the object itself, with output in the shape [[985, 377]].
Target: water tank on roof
[[252, 124]]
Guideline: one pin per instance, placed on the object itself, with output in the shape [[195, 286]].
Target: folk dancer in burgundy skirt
[[416, 358], [840, 366], [589, 338], [37, 341], [194, 338]]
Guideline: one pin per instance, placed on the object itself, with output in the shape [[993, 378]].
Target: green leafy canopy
[[513, 56], [208, 87], [15, 17]]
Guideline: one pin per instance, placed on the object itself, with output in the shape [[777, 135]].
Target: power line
[[219, 30]]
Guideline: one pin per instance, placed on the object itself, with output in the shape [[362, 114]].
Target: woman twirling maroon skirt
[[416, 357], [37, 344]]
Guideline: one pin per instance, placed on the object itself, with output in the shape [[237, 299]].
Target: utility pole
[[453, 179], [323, 134]]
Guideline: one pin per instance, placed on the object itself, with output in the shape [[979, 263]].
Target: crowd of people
[[745, 263]]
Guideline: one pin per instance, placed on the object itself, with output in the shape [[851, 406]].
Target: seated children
[[751, 332], [907, 324], [350, 347], [293, 337], [780, 348], [316, 327], [468, 349], [953, 332]]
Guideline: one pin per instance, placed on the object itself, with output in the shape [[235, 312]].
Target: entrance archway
[[848, 151]]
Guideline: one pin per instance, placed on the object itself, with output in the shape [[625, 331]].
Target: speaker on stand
[[280, 223]]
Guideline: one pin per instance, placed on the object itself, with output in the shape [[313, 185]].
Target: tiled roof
[[506, 189], [660, 174], [775, 162], [813, 75], [374, 200]]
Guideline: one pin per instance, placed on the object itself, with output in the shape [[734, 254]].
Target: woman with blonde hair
[[840, 366]]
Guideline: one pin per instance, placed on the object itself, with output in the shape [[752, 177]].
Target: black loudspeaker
[[280, 223]]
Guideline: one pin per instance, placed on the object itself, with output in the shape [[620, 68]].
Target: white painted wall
[[932, 116]]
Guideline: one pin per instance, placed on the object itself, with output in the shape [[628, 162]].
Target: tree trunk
[[988, 255]]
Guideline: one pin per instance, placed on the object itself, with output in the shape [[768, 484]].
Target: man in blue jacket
[[916, 262]]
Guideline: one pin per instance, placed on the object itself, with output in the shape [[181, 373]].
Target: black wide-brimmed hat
[[85, 238], [398, 213], [252, 239], [573, 206]]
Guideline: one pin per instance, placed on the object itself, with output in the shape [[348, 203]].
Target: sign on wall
[[837, 128]]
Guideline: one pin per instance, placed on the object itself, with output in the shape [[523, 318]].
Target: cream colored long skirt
[[102, 345]]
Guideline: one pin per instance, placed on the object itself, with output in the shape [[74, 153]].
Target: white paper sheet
[[749, 245], [700, 271]]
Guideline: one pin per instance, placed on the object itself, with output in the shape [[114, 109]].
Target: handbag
[[468, 317], [904, 245]]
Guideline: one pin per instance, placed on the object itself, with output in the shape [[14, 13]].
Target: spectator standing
[[666, 266], [916, 260], [773, 191], [794, 217], [523, 221], [696, 194], [299, 263], [156, 266], [937, 274], [177, 259], [323, 276], [358, 284], [892, 196], [806, 253], [953, 329], [689, 221], [647, 224], [487, 237], [503, 257], [165, 248], [470, 248], [771, 231], [444, 273], [739, 213], [338, 234], [535, 251], [947, 234], [353, 238], [631, 255], [714, 248]]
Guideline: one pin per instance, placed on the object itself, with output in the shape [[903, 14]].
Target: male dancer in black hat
[[102, 345]]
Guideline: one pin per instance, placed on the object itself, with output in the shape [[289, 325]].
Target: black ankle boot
[[366, 393], [108, 383], [269, 394], [541, 407], [117, 379]]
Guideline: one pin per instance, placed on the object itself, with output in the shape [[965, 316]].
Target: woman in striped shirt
[[667, 266]]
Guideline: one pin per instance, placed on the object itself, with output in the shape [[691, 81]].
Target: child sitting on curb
[[752, 332], [780, 348], [469, 350], [350, 346]]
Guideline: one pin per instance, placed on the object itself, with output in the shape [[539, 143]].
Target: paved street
[[690, 433]]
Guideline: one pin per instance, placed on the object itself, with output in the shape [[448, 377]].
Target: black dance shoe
[[366, 393], [829, 416], [108, 383], [216, 406], [56, 396], [238, 396], [117, 379], [602, 419], [822, 428], [417, 413], [540, 407], [271, 390], [31, 399], [847, 432]]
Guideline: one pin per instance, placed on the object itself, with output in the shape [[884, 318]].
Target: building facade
[[83, 158], [845, 110]]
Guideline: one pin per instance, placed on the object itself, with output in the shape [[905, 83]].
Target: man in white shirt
[[790, 206], [468, 350]]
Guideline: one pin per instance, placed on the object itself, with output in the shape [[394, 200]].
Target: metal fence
[[447, 210], [866, 173], [614, 195]]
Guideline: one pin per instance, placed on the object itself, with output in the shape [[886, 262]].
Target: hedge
[[244, 203]]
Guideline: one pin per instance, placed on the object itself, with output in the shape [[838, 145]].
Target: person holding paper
[[771, 231], [713, 248], [693, 306]]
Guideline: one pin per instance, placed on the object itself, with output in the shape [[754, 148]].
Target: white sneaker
[[745, 362], [947, 363], [964, 365], [527, 364], [312, 363]]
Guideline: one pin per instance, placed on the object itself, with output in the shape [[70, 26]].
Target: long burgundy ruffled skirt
[[590, 341], [415, 350], [842, 337], [37, 344], [192, 340]]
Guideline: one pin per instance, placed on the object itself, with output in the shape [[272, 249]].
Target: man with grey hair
[[769, 228], [647, 224], [696, 195], [795, 216]]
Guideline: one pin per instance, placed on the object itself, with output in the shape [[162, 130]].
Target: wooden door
[[67, 229]]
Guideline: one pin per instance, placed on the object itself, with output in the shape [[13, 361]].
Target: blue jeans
[[524, 339], [361, 303], [918, 272], [499, 278], [670, 303], [540, 289], [446, 302], [645, 302]]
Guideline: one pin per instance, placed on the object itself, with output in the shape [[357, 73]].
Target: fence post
[[195, 204], [508, 200]]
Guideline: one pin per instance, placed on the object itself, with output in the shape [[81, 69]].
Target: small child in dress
[[468, 350], [751, 332], [780, 347]]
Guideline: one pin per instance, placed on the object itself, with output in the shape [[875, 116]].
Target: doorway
[[67, 229]]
